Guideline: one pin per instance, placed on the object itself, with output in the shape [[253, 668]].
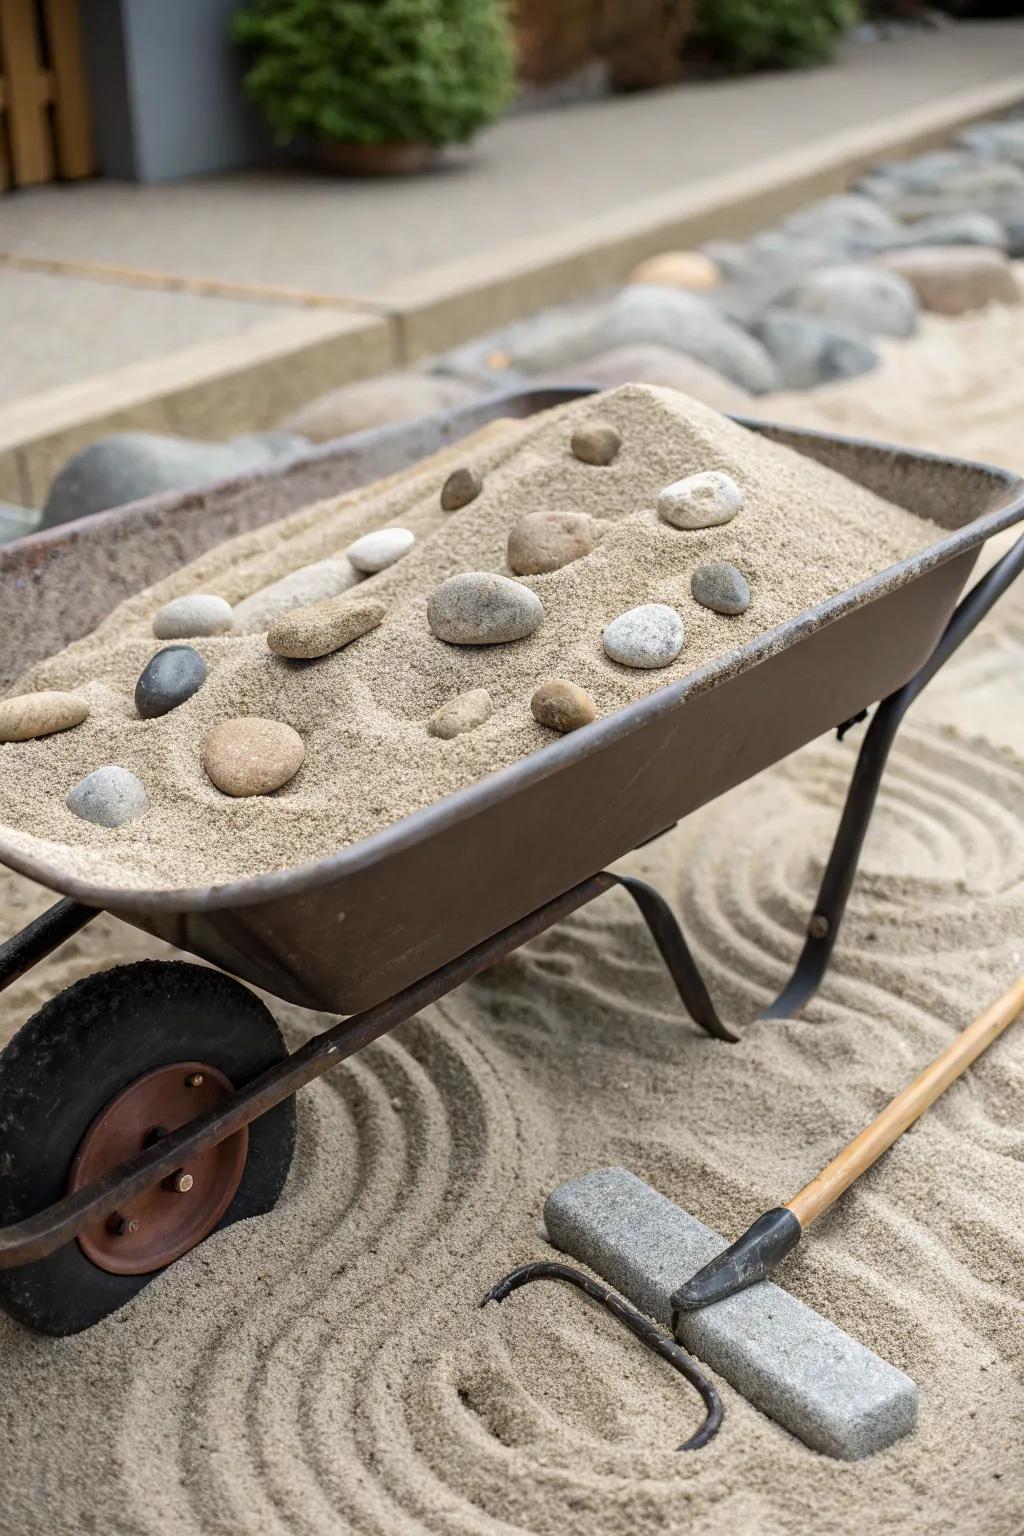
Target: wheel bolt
[[194, 1080], [123, 1226], [153, 1135], [182, 1183], [818, 927]]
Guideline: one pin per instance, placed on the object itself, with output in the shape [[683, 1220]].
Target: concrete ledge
[[452, 303], [249, 381], [235, 384]]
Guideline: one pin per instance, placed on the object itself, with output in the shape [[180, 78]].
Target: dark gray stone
[[690, 323], [861, 297], [129, 465], [845, 211], [720, 587], [1014, 232], [110, 796], [172, 676], [832, 1392], [963, 183], [808, 352], [949, 229]]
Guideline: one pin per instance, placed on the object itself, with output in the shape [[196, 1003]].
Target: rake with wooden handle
[[766, 1243]]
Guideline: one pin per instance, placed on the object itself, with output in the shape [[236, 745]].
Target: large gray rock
[[650, 363], [129, 465], [1014, 231], [808, 351], [377, 403], [690, 323], [996, 141], [861, 297], [961, 183], [949, 229], [847, 211], [542, 343]]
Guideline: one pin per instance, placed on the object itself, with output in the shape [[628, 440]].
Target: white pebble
[[311, 584], [201, 613], [701, 501], [649, 636], [375, 551]]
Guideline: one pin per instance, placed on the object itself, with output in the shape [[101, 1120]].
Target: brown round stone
[[545, 541], [321, 628], [462, 486], [595, 442], [252, 756], [562, 706], [40, 714]]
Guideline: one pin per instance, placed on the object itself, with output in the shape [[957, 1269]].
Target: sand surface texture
[[804, 534], [326, 1369]]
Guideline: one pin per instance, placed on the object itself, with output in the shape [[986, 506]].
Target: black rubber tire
[[70, 1059]]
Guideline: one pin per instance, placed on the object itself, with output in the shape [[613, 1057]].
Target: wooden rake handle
[[906, 1107], [754, 1256]]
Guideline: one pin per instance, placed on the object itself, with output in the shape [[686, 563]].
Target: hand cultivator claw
[[635, 1321]]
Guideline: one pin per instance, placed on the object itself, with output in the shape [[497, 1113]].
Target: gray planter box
[[166, 85]]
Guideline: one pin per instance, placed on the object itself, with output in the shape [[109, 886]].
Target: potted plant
[[378, 85], [772, 34]]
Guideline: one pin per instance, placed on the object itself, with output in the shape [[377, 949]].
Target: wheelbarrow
[[149, 1105]]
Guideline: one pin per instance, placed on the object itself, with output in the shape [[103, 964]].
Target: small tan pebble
[[186, 618], [562, 705], [40, 714], [678, 269], [324, 627], [706, 500], [252, 756], [545, 541], [463, 713], [462, 486], [595, 442]]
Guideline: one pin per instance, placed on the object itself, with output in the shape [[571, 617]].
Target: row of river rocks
[[255, 756]]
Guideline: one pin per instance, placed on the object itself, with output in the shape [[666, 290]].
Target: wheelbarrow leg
[[40, 937]]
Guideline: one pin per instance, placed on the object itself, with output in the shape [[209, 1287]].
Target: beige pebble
[[252, 756], [595, 442], [321, 628], [678, 269], [463, 713], [562, 706], [40, 714], [951, 280], [545, 541], [462, 486]]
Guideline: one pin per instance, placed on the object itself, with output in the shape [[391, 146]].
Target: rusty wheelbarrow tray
[[358, 932]]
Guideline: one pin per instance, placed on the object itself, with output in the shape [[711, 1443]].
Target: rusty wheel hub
[[162, 1223]]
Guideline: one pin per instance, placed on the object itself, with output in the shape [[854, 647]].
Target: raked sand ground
[[326, 1369]]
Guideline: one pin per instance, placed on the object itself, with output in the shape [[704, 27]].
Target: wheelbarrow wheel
[[103, 1070]]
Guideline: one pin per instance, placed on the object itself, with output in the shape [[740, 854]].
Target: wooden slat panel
[[75, 153], [28, 127]]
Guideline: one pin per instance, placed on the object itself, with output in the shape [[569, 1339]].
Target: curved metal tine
[[641, 1326], [675, 952]]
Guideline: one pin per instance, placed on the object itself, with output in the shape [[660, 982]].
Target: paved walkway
[[531, 176]]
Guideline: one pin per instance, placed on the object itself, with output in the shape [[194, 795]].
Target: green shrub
[[772, 34], [378, 71]]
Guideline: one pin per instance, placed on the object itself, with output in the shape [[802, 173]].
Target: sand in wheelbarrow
[[804, 533]]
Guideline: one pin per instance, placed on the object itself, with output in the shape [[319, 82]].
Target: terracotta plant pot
[[375, 159]]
